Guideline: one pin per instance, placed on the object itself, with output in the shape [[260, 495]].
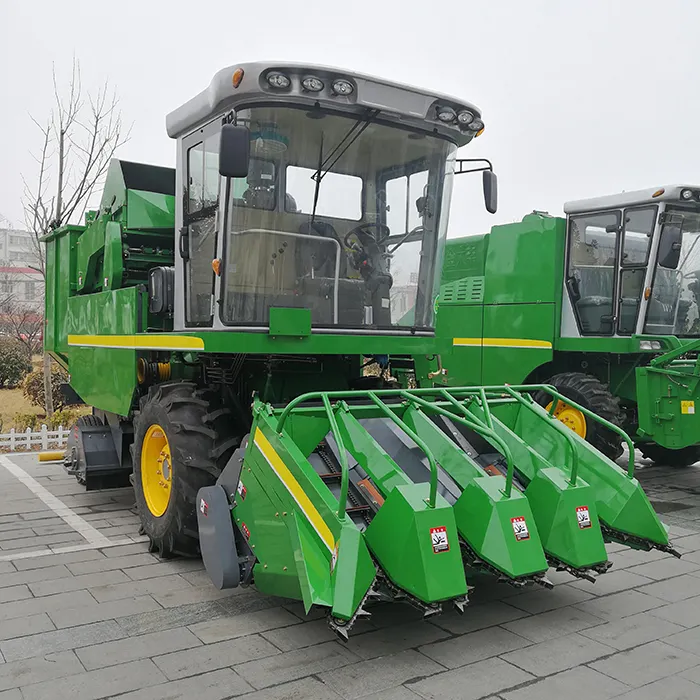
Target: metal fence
[[27, 440]]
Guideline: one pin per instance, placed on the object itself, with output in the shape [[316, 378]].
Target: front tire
[[183, 438], [591, 393], [663, 456]]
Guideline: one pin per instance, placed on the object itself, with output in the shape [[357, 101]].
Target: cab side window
[[637, 232], [201, 214], [593, 243]]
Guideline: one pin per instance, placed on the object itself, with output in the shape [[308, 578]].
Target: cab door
[[197, 242], [606, 268], [637, 231]]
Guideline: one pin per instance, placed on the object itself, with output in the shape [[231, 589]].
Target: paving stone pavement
[[87, 623]]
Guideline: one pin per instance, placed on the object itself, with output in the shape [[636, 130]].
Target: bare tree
[[24, 322], [78, 141]]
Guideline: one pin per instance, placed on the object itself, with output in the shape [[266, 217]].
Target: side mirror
[[670, 247], [490, 181], [234, 151]]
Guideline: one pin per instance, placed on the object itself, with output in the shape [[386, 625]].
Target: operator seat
[[316, 266], [321, 257]]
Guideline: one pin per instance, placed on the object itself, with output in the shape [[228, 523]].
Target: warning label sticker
[[688, 408], [242, 491], [246, 531], [203, 507], [334, 556], [438, 537], [520, 528], [583, 517]]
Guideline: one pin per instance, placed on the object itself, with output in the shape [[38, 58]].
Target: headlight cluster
[[310, 83], [464, 118], [690, 195], [650, 345]]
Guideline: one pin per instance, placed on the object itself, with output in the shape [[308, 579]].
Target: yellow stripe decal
[[502, 343], [294, 488], [138, 342]]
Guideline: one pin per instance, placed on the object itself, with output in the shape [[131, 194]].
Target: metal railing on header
[[27, 440]]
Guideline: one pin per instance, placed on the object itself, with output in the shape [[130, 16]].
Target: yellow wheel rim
[[156, 470], [571, 417]]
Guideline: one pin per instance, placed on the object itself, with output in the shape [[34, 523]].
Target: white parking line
[[93, 536], [67, 549]]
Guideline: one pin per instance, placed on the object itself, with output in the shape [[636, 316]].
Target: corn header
[[236, 323]]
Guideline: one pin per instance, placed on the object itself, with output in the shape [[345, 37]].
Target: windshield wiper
[[326, 165]]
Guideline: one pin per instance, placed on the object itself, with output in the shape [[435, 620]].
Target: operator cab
[[633, 264], [307, 187]]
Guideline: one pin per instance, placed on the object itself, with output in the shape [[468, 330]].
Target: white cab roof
[[628, 199]]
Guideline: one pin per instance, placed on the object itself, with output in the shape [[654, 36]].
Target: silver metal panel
[[626, 199], [405, 101]]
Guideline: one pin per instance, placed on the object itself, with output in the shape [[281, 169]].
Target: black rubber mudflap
[[216, 538], [91, 456]]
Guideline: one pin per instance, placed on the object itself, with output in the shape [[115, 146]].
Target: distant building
[[21, 281]]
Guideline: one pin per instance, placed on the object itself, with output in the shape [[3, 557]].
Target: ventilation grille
[[468, 290]]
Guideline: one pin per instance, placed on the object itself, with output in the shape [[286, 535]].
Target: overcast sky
[[580, 97]]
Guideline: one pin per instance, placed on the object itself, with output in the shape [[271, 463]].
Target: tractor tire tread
[[196, 430], [663, 456], [595, 396]]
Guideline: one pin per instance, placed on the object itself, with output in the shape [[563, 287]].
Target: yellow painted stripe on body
[[502, 343], [138, 342], [294, 488]]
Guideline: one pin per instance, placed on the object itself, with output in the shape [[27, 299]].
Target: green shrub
[[33, 387], [14, 362], [64, 416], [23, 420]]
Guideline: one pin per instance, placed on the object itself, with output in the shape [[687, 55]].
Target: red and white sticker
[[242, 491], [203, 507], [438, 537], [520, 529], [583, 517], [246, 531], [334, 556]]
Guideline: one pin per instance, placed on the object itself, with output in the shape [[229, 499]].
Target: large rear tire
[[183, 438], [591, 393], [663, 456]]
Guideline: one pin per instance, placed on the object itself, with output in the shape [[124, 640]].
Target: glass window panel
[[591, 274]]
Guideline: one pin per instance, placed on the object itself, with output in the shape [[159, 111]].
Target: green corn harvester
[[604, 305], [224, 318]]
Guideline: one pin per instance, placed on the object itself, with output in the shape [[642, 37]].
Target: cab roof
[[411, 105], [627, 199]]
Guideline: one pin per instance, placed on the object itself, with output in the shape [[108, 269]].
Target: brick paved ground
[[116, 622]]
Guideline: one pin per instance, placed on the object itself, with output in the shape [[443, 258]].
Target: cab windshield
[[674, 303], [342, 215]]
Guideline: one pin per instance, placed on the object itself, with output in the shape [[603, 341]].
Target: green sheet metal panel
[[290, 322], [149, 210], [464, 257], [104, 377], [669, 406], [60, 271], [455, 323], [525, 261], [517, 338]]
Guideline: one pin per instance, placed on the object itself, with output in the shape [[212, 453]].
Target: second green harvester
[[603, 305], [219, 318]]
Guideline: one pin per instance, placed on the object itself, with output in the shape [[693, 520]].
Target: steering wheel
[[368, 234]]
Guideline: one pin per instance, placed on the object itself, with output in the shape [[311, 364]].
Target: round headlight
[[278, 80], [312, 84], [446, 114], [476, 125], [465, 118], [343, 87], [686, 194]]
